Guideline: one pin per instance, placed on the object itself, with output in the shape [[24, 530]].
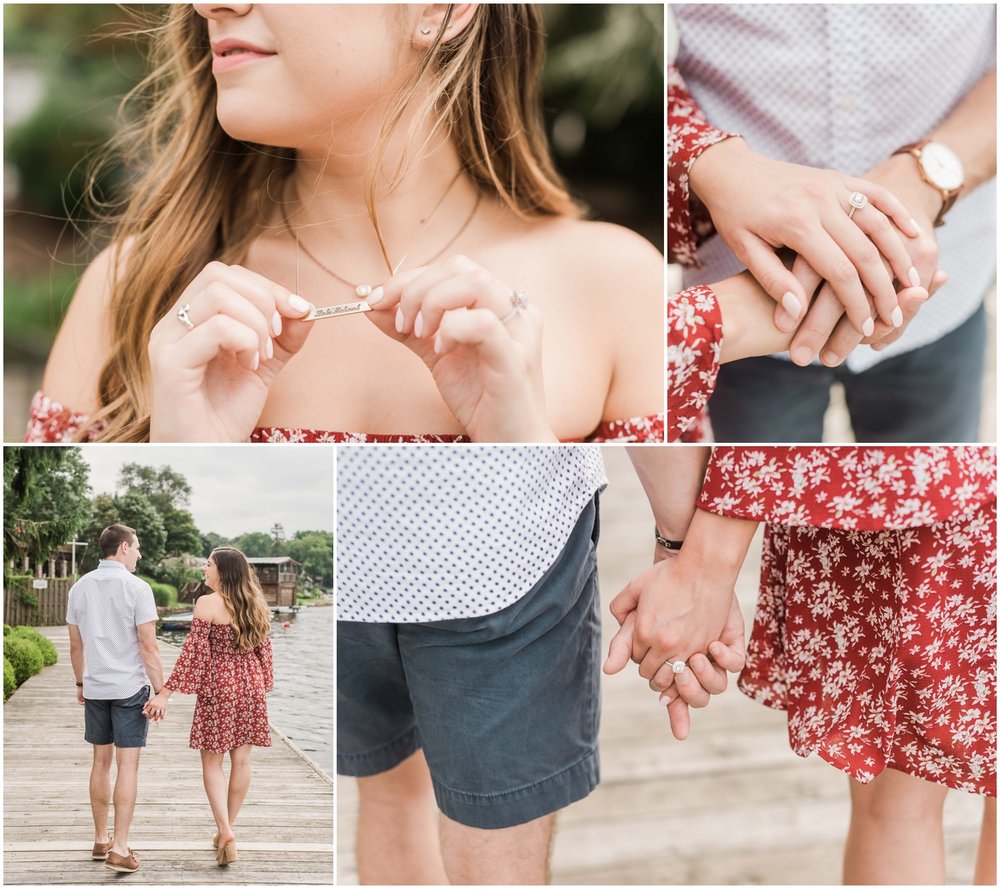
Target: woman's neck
[[325, 203]]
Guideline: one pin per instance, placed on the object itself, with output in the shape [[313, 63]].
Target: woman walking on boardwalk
[[226, 662]]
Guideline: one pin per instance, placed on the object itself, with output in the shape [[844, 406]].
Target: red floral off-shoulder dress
[[51, 421], [231, 686], [876, 623]]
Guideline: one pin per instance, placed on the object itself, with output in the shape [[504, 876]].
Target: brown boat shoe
[[124, 864], [100, 850]]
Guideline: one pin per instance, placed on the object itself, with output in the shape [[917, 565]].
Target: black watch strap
[[672, 545]]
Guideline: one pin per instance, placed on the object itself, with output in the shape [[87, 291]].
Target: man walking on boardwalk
[[112, 637]]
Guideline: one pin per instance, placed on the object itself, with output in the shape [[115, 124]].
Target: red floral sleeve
[[634, 429], [856, 488], [192, 672], [50, 421], [694, 341], [688, 135], [263, 653]]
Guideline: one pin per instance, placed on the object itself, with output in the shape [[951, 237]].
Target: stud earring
[[425, 30]]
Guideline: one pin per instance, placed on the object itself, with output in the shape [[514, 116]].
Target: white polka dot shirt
[[435, 532], [107, 605], [843, 85]]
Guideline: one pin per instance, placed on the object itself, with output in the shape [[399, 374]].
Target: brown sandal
[[215, 841], [100, 850], [226, 854]]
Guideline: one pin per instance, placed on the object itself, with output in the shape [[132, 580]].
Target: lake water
[[301, 705]]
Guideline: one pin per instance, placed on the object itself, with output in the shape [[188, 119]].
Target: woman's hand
[[485, 356], [210, 382], [678, 613], [155, 708], [759, 205]]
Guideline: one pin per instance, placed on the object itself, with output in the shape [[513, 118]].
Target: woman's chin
[[245, 125]]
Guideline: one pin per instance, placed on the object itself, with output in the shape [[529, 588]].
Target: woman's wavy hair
[[194, 190], [243, 597]]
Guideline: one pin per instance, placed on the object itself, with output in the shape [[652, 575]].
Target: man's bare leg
[[896, 834], [397, 834], [511, 855], [100, 789], [986, 856], [125, 789]]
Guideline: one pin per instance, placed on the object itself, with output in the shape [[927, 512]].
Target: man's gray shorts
[[119, 722], [505, 707]]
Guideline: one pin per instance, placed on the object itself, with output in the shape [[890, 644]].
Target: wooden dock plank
[[731, 805], [284, 832]]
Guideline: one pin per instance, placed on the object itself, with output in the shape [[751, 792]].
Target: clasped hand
[[155, 709], [671, 613]]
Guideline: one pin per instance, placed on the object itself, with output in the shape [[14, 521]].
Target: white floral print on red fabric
[[688, 135], [52, 422], [881, 647], [231, 686], [694, 343], [849, 487]]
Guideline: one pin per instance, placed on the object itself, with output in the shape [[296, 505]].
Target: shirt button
[[846, 103]]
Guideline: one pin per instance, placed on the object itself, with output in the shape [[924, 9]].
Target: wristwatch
[[940, 168]]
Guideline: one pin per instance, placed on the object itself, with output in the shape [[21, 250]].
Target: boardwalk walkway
[[730, 805], [285, 831]]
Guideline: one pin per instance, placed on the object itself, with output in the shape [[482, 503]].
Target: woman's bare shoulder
[[211, 607], [84, 340], [600, 256]]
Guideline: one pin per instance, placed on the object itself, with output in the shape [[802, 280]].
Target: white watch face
[[942, 166]]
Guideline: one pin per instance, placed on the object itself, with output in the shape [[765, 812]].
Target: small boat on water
[[177, 621]]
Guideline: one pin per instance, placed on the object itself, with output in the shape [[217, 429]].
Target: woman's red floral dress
[[694, 323], [51, 421], [231, 686], [876, 623]]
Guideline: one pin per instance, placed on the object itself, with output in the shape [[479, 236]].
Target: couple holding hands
[[827, 166], [469, 645]]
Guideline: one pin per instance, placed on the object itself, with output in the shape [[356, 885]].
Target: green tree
[[254, 543], [134, 510], [46, 499], [314, 550], [169, 493], [211, 541]]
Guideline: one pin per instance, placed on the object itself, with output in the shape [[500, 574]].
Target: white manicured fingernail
[[868, 328], [896, 317], [665, 702], [298, 303], [269, 349], [438, 343], [375, 296], [790, 304], [914, 276], [276, 324], [256, 361], [913, 222], [418, 325], [400, 320]]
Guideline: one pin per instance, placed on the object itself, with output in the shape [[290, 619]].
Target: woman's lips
[[237, 57]]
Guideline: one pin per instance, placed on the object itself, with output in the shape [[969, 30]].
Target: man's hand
[[79, 695], [819, 333]]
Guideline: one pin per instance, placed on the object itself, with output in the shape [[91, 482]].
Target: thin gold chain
[[358, 287]]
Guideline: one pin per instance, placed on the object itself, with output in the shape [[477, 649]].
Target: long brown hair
[[243, 597], [196, 192]]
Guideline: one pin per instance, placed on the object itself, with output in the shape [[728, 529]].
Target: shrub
[[45, 646], [24, 656], [6, 629], [8, 679], [163, 593]]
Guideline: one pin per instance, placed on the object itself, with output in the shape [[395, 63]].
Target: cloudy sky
[[235, 488]]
